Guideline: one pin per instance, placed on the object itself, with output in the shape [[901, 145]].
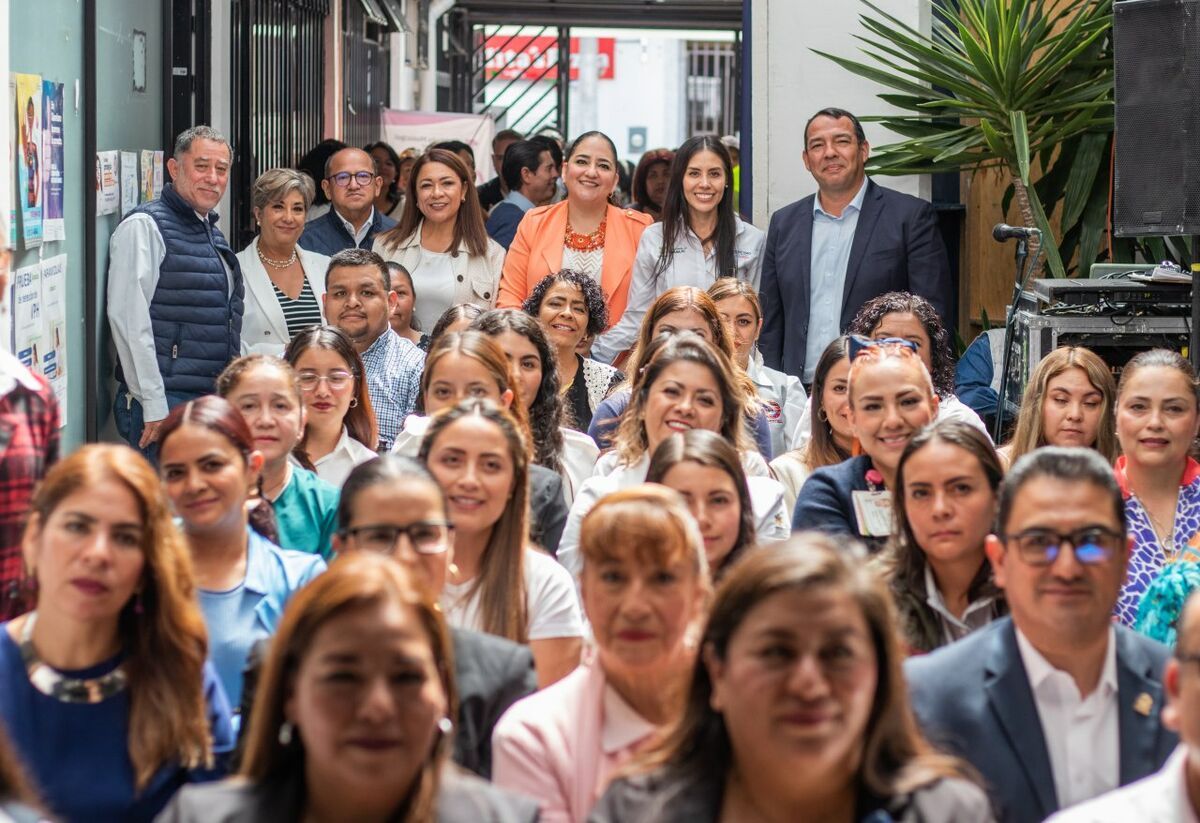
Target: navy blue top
[[826, 501], [327, 234], [607, 417], [78, 753]]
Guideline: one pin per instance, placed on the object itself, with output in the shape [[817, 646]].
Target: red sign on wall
[[536, 58]]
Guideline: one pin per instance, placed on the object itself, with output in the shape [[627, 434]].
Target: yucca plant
[[998, 83]]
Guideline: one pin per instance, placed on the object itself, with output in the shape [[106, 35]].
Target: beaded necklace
[[585, 242]]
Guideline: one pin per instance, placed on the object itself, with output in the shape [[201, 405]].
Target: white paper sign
[[129, 181], [54, 312], [27, 316]]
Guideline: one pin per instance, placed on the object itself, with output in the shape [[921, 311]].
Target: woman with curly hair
[[570, 307], [570, 453], [899, 315]]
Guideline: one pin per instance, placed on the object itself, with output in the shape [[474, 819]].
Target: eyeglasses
[[859, 344], [343, 178], [338, 380], [1093, 545], [426, 536]]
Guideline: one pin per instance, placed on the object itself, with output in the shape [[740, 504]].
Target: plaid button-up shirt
[[394, 365], [28, 446]]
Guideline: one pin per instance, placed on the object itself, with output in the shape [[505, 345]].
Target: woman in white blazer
[[441, 240], [284, 283]]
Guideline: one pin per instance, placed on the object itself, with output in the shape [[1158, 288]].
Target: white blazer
[[264, 331], [477, 279]]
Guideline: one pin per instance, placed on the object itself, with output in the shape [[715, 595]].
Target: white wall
[[791, 82]]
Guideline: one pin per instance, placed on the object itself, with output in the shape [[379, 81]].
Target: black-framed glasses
[[343, 178], [337, 380], [426, 536], [1093, 545]]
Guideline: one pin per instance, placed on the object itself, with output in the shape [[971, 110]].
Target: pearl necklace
[[278, 264]]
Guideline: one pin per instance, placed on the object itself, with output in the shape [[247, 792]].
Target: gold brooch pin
[[1143, 704]]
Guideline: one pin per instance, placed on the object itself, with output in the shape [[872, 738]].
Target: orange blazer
[[537, 251]]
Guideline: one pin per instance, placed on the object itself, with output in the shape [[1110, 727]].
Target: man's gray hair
[[188, 136]]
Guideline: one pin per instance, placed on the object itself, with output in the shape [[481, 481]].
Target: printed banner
[[158, 174], [29, 156], [108, 190], [27, 316], [53, 224], [54, 312], [147, 172], [417, 129]]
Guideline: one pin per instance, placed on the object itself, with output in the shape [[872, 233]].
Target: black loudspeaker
[[1157, 64]]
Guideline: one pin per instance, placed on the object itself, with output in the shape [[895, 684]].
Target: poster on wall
[[29, 156], [158, 174], [147, 172], [27, 316], [54, 314], [108, 191], [129, 181], [53, 224]]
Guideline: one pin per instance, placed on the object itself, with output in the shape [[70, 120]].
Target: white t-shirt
[[433, 281], [549, 597]]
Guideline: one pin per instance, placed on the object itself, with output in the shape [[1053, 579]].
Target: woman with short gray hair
[[284, 283]]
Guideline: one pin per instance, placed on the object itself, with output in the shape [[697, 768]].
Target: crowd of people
[[513, 500]]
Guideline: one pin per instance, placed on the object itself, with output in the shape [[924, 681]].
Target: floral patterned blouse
[[1149, 556]]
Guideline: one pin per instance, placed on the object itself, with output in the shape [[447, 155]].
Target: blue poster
[[53, 225]]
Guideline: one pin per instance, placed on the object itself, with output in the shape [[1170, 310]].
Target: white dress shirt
[[135, 252], [784, 401], [334, 467], [1082, 733], [977, 614], [1160, 798], [360, 234], [690, 266]]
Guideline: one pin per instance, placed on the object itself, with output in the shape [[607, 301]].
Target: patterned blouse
[[1149, 556]]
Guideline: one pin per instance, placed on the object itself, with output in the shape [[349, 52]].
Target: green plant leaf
[[1020, 144], [1091, 151]]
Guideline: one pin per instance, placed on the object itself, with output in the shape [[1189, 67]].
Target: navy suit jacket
[[896, 247], [326, 235], [973, 698]]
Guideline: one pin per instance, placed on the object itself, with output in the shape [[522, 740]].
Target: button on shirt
[[832, 238], [1081, 733], [393, 366]]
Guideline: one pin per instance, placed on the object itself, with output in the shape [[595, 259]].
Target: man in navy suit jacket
[[1056, 704], [831, 252], [351, 183]]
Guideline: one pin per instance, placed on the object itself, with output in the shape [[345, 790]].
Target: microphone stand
[[1023, 272]]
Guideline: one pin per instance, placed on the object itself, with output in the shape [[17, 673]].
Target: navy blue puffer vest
[[197, 322]]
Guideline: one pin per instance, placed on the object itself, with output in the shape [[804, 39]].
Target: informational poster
[[129, 181], [417, 129], [54, 314], [29, 156], [28, 327], [108, 189], [158, 173], [53, 224], [147, 176]]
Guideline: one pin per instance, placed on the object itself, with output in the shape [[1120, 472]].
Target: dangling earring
[[285, 733]]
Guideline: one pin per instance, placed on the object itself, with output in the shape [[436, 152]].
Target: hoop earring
[[353, 402], [286, 732], [822, 416]]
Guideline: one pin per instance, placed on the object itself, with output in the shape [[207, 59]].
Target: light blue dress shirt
[[832, 238]]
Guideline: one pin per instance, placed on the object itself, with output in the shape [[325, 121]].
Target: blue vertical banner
[[53, 224], [29, 157]]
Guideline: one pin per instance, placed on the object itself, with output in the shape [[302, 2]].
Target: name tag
[[873, 511]]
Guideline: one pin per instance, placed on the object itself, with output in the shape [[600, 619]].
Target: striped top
[[300, 313]]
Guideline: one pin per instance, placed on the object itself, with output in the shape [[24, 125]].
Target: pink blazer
[[550, 746]]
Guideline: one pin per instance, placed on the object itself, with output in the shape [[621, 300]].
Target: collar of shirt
[[257, 563], [13, 373], [623, 727], [518, 199], [350, 230], [380, 346], [341, 450], [855, 204], [1043, 674], [933, 597]]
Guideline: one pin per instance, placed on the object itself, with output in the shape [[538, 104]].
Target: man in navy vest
[[351, 183], [175, 291]]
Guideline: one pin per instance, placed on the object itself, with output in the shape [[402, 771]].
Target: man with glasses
[[1056, 704], [1167, 795], [351, 183]]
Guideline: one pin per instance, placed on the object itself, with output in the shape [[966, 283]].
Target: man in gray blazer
[[1056, 704]]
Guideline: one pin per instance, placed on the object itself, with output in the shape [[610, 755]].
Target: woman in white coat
[[284, 283], [441, 240], [699, 240]]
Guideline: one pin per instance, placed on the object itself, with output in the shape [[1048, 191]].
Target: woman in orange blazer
[[585, 232]]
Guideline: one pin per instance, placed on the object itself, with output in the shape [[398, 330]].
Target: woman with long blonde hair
[[104, 688]]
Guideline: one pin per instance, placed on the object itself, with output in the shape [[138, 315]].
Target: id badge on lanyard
[[873, 511]]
